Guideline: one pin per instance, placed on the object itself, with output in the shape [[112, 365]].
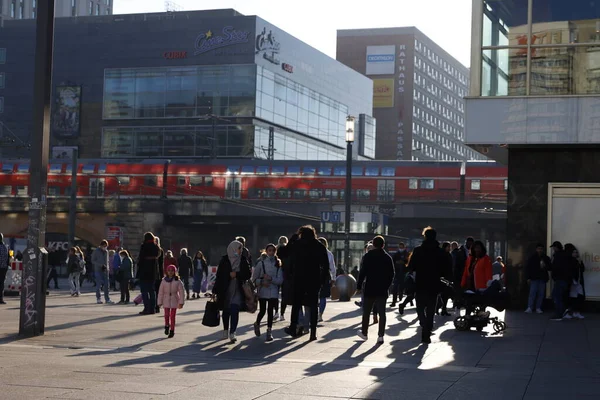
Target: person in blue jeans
[[200, 266], [537, 277], [561, 276], [101, 270]]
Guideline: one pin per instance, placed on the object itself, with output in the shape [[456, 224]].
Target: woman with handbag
[[268, 279], [233, 271]]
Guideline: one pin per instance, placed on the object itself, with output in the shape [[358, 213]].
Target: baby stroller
[[475, 304]]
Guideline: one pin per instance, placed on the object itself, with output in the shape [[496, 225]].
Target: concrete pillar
[[255, 245]]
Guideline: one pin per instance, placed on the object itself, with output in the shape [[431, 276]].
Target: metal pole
[[73, 200], [214, 136], [348, 200], [271, 150], [33, 293], [165, 176]]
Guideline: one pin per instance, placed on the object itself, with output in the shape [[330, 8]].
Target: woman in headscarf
[[233, 271]]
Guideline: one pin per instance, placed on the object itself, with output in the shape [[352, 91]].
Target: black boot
[[425, 337], [171, 334], [166, 329], [292, 331], [401, 309]]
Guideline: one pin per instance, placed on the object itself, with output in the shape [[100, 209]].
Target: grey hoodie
[[100, 259], [269, 267]]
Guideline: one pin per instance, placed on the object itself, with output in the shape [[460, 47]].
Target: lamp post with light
[[348, 194]]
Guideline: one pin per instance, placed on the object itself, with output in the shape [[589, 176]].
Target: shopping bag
[[335, 293], [138, 299], [204, 286], [212, 316], [250, 296]]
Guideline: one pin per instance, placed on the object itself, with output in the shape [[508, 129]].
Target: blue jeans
[[102, 279], [322, 304], [197, 280], [232, 314], [537, 292], [148, 296], [558, 295]]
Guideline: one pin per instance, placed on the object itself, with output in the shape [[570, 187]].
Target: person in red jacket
[[478, 269]]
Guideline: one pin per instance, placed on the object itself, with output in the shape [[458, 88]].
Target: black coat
[[400, 261], [534, 270], [561, 266], [287, 288], [310, 265], [223, 279], [186, 268], [148, 262], [429, 262], [460, 260], [161, 262], [378, 271]]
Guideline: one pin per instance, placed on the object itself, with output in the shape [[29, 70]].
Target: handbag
[[212, 316], [250, 296]]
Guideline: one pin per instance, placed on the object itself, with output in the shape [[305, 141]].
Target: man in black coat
[[378, 271], [460, 260], [310, 265], [186, 269], [429, 263], [561, 275], [147, 272]]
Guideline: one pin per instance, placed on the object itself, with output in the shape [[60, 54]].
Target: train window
[[248, 170], [123, 180], [269, 193], [299, 193], [68, 191], [293, 171], [196, 180], [24, 168], [372, 171], [324, 171], [506, 184], [309, 170], [283, 193], [262, 170], [55, 168], [53, 190], [363, 194], [88, 169], [357, 171], [388, 171], [277, 170], [181, 180], [68, 169], [151, 181], [339, 171], [413, 184], [5, 190], [426, 184], [315, 193], [342, 194], [475, 184], [208, 181], [102, 168], [7, 168], [22, 190]]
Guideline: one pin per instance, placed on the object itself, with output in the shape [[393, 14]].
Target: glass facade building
[[195, 84]]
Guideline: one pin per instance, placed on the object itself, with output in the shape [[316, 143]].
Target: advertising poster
[[381, 60], [383, 93], [67, 111], [62, 152], [114, 235]]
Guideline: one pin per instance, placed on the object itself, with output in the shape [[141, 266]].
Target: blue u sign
[[330, 216]]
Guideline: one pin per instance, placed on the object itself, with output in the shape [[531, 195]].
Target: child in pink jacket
[[171, 297]]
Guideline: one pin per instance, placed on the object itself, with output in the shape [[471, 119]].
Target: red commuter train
[[291, 181]]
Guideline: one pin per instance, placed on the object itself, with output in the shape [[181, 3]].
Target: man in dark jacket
[[147, 272], [310, 270], [537, 277], [378, 271], [460, 259], [245, 251], [429, 262], [186, 269], [400, 260], [161, 270], [561, 276]]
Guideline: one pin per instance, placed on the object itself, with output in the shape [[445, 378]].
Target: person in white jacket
[[326, 288], [171, 298], [268, 278]]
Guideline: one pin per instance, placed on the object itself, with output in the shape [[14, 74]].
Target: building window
[[13, 8], [21, 10], [73, 8], [91, 8], [97, 9], [1, 80], [2, 56], [1, 105], [426, 184], [413, 184], [475, 184]]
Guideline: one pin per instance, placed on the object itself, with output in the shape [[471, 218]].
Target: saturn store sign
[[383, 93]]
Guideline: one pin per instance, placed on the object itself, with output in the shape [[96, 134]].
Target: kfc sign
[[175, 55]]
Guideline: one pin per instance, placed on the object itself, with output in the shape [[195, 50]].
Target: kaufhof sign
[[381, 60]]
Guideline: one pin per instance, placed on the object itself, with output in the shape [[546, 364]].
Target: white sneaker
[[380, 340], [362, 335], [282, 318], [225, 334], [567, 316], [578, 315], [528, 311], [539, 311], [232, 338], [99, 301], [276, 316]]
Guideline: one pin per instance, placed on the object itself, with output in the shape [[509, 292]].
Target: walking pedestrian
[[537, 278], [561, 275], [148, 272], [378, 272], [186, 269], [112, 270], [448, 274], [100, 262], [74, 271], [400, 260], [287, 288], [461, 256], [428, 262], [577, 287], [232, 272], [200, 273], [53, 263], [161, 270], [171, 298], [4, 261], [478, 273], [268, 278], [310, 270], [245, 252], [125, 275], [325, 291]]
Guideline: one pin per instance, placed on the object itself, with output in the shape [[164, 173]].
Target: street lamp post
[[348, 193]]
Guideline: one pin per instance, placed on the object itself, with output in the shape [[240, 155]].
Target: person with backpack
[[268, 277]]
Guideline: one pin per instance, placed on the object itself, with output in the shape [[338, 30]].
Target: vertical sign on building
[[114, 235], [381, 60], [401, 83]]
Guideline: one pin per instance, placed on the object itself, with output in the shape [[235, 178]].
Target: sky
[[446, 22]]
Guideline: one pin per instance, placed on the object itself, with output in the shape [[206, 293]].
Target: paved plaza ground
[[94, 351]]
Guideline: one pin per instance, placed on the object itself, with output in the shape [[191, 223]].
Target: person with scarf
[[171, 297], [147, 272], [200, 270], [268, 278], [232, 272]]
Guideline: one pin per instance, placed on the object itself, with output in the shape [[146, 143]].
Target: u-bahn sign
[[331, 216]]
